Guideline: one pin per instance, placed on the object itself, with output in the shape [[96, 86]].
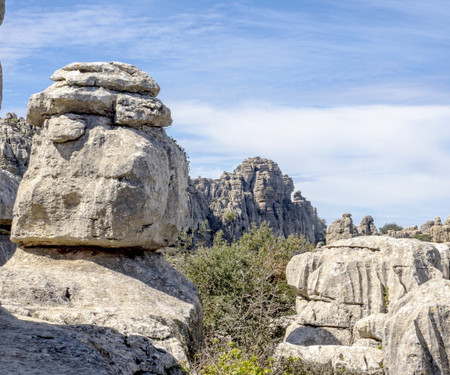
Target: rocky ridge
[[254, 192], [344, 228], [105, 187]]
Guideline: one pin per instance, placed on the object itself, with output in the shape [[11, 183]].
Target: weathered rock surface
[[367, 227], [7, 248], [118, 312], [99, 176], [341, 229], [335, 359], [256, 191], [346, 289], [15, 144], [417, 331], [439, 232]]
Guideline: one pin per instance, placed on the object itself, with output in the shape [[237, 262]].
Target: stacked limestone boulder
[[344, 228], [105, 186], [359, 305], [439, 232]]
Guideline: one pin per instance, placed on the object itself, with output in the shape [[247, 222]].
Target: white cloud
[[388, 161]]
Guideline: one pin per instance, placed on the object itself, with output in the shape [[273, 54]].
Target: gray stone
[[417, 332], [119, 91], [367, 227], [112, 187], [110, 297], [335, 359], [341, 229], [115, 76], [254, 192], [93, 181]]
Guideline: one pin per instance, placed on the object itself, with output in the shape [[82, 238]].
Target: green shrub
[[390, 226], [229, 216], [243, 290], [423, 237]]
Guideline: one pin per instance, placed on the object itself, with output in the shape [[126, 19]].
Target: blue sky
[[351, 98]]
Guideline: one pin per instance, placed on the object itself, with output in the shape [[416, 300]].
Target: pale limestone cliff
[[349, 297], [254, 192]]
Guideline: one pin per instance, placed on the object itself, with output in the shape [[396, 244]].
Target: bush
[[243, 290], [422, 237], [390, 226]]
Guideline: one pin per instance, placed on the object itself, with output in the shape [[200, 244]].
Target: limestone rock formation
[[254, 192], [15, 144], [417, 332], [129, 313], [367, 227], [346, 288], [102, 170], [341, 229], [104, 184], [439, 232]]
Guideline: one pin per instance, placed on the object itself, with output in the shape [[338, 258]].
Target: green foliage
[[386, 296], [229, 216], [390, 226], [422, 237], [267, 193], [243, 290]]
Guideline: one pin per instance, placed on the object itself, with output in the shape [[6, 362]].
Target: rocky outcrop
[[97, 177], [135, 300], [367, 227], [82, 293], [15, 144], [341, 229], [439, 232], [344, 228], [345, 293], [417, 331], [254, 192]]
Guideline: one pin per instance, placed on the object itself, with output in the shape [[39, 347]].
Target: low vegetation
[[245, 296], [390, 226]]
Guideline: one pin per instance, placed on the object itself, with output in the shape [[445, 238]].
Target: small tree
[[390, 226]]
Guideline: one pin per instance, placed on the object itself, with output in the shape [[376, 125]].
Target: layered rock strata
[[344, 228], [104, 186], [15, 145], [101, 158], [254, 192], [345, 293]]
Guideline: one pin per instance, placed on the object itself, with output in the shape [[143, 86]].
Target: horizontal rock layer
[[122, 312]]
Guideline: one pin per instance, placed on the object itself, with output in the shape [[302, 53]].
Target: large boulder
[[346, 289], [115, 312], [101, 175], [439, 232], [417, 331]]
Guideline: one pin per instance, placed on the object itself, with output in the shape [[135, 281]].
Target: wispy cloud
[[373, 158]]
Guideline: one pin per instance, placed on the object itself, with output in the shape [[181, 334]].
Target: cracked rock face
[[346, 290], [95, 310], [254, 192], [417, 331], [102, 170], [15, 144]]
